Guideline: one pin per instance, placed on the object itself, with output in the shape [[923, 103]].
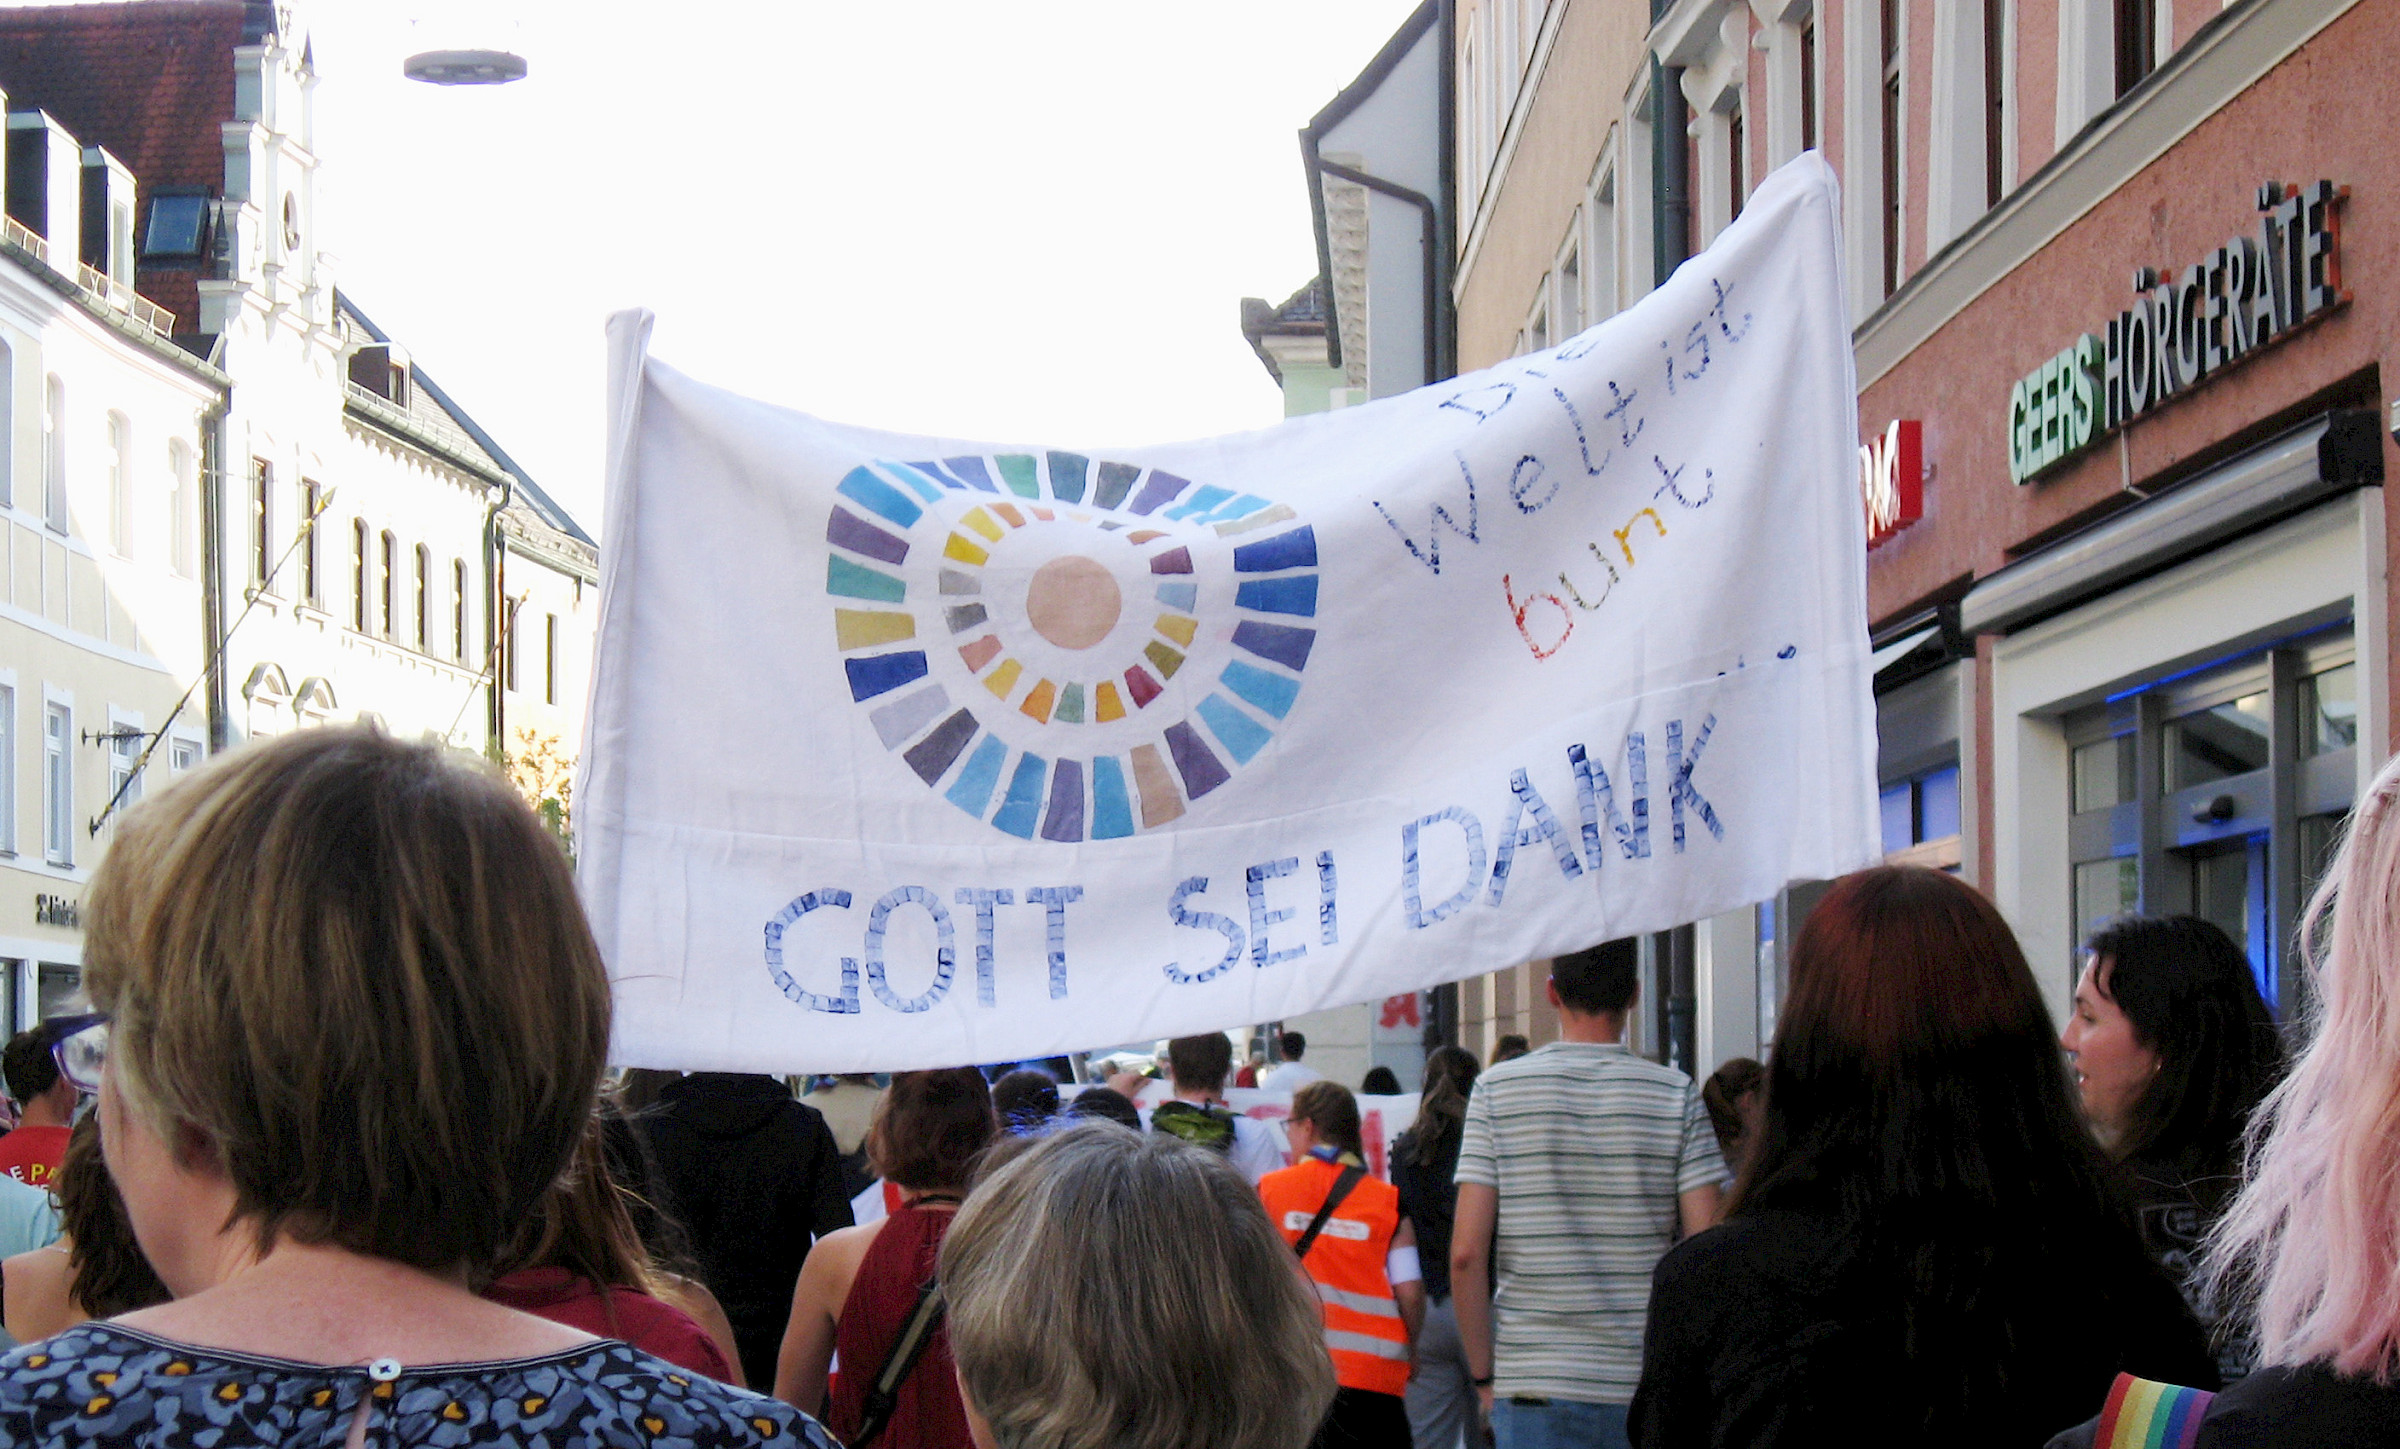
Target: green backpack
[[1202, 1126]]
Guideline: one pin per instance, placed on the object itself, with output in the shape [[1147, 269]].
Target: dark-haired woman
[[1441, 1393], [860, 1285], [1926, 1245], [95, 1269], [2173, 1051]]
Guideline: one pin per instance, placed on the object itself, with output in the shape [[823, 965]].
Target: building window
[[54, 456], [1570, 284], [1737, 145], [262, 522], [2173, 808], [509, 650], [124, 758], [1537, 327], [1995, 97], [2137, 42], [312, 578], [8, 769], [458, 609], [550, 658], [1889, 39], [180, 528], [183, 755], [424, 607], [58, 784], [359, 580], [8, 432], [391, 568], [1921, 819], [1600, 248], [1808, 85], [120, 485]]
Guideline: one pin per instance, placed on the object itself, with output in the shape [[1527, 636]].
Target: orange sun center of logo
[[1073, 602]]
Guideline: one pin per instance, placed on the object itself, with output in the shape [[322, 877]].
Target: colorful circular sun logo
[[1066, 648]]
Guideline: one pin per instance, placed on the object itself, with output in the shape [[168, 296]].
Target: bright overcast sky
[[1028, 222]]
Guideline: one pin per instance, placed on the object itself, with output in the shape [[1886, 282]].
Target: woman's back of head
[[2312, 1241], [1450, 1074], [2187, 990], [930, 1126], [1109, 1288], [1915, 1099], [357, 970]]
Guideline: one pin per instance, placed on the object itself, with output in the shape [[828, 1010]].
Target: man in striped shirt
[[1580, 1165]]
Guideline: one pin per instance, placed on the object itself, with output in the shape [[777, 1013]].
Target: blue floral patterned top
[[99, 1384]]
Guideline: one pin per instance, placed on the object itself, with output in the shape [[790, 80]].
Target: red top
[[659, 1329], [31, 1154], [899, 1262]]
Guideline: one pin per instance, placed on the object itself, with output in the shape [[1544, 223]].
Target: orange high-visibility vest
[[1363, 1330]]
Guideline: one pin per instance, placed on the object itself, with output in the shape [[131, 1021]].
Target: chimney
[[45, 186], [108, 216]]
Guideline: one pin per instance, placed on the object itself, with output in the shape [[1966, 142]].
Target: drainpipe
[[1670, 172], [495, 605], [212, 581], [1429, 244], [1446, 132]]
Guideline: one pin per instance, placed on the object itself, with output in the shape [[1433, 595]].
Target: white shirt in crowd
[[1289, 1077]]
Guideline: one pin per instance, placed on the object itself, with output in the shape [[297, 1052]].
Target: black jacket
[[1754, 1339], [754, 1176]]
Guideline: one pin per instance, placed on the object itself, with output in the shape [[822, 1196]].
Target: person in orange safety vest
[[1363, 1261]]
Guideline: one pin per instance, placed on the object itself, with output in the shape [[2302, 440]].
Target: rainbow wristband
[[2144, 1415]]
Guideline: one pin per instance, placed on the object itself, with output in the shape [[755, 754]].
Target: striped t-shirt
[[1587, 1147]]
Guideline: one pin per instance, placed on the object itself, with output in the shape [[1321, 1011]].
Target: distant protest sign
[[908, 752]]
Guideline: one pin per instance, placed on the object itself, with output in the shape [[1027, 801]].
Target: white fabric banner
[[909, 752]]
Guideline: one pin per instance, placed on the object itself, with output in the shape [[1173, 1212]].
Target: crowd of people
[[354, 1171]]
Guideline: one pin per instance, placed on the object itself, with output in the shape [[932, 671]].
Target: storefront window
[[59, 984], [2104, 890], [2104, 773], [2217, 743], [2329, 711], [2183, 791], [1922, 812]]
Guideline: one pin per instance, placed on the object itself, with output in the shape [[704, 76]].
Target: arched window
[[359, 584], [458, 609], [8, 431], [54, 455], [391, 566], [424, 619], [120, 485], [181, 529]]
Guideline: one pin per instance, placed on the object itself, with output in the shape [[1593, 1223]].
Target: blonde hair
[[1114, 1290], [357, 968], [2310, 1247]]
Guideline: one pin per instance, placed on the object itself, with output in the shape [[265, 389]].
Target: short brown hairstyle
[[1128, 1290], [929, 1126], [1330, 1111], [1200, 1063], [358, 968]]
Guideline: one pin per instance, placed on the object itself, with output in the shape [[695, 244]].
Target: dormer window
[[178, 229]]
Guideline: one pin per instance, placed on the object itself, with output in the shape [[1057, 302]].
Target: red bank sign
[[1891, 479]]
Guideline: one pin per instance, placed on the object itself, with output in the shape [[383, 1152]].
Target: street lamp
[[464, 67], [469, 49]]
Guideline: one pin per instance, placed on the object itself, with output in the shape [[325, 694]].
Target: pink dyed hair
[[2311, 1245]]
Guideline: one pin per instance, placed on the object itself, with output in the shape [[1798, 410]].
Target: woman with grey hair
[[1109, 1290]]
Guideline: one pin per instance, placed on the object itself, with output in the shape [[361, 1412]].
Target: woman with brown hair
[[1926, 1245], [581, 1262], [357, 1025], [95, 1269], [1441, 1392], [860, 1286]]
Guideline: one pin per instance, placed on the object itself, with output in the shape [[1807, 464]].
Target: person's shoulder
[[65, 1382], [2306, 1404], [1749, 1248], [674, 1405]]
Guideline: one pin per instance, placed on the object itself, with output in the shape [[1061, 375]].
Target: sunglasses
[[80, 1047]]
